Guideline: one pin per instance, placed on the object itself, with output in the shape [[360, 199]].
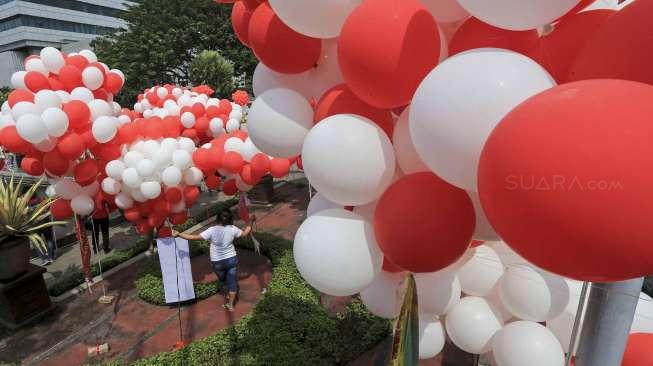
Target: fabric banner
[[176, 269]]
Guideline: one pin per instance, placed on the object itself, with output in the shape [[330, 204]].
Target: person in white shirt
[[224, 259]]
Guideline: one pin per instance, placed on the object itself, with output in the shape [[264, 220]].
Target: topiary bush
[[287, 327]]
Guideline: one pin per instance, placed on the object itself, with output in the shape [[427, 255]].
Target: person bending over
[[224, 259]]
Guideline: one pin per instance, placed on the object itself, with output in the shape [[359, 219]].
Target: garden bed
[[287, 327]]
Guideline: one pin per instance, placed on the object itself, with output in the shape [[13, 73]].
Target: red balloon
[[109, 152], [79, 61], [240, 134], [179, 218], [565, 208], [300, 164], [240, 16], [71, 77], [212, 112], [172, 126], [340, 100], [143, 227], [212, 181], [390, 267], [232, 162], [229, 187], [202, 125], [201, 158], [19, 95], [279, 47], [638, 350], [32, 166], [424, 224], [78, 113], [248, 177], [162, 207], [557, 51], [11, 140], [225, 108], [260, 165], [164, 232], [127, 133], [55, 84], [474, 33], [132, 214], [385, 50], [279, 167], [113, 83], [55, 163], [620, 49], [252, 4], [198, 109], [35, 81], [215, 157], [191, 194], [100, 94], [580, 6], [173, 195], [61, 210], [190, 133], [71, 145], [86, 172]]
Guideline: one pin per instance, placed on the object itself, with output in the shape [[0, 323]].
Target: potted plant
[[20, 226]]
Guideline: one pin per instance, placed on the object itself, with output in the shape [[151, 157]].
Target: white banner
[[176, 269]]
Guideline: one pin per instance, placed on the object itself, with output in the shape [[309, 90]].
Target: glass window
[[54, 24]]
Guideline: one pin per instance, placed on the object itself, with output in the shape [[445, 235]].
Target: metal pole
[[610, 313], [577, 320]]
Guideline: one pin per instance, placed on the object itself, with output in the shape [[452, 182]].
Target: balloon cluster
[[440, 121]]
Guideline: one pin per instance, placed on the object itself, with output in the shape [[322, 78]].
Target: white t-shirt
[[222, 241]]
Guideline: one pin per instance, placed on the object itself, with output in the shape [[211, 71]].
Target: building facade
[[26, 26]]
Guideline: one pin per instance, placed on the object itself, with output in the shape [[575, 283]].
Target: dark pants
[[50, 244], [101, 226], [227, 272]]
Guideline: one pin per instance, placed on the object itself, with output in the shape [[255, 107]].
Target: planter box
[[24, 299]]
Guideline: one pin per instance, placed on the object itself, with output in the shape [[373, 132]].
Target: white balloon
[[52, 59], [384, 296], [18, 80], [531, 294], [407, 158], [242, 186], [45, 99], [367, 211], [289, 113], [472, 323], [506, 254], [82, 205], [6, 120], [67, 189], [47, 145], [23, 108], [326, 74], [483, 230], [131, 178], [431, 337], [332, 243], [36, 64], [186, 144], [249, 150], [151, 148], [348, 159], [481, 273], [171, 176], [31, 128], [56, 121], [81, 93], [448, 134], [643, 320], [317, 19], [111, 186], [232, 125], [132, 158], [91, 189], [63, 95], [161, 92], [561, 326], [319, 203], [146, 168], [5, 110], [188, 119], [181, 159], [193, 176], [445, 11], [123, 119], [171, 144], [99, 108], [437, 292], [265, 79], [162, 158], [50, 191], [104, 129], [234, 144], [518, 15], [89, 55], [137, 195], [124, 201], [114, 169], [527, 343], [178, 207], [151, 190], [216, 126], [92, 77]]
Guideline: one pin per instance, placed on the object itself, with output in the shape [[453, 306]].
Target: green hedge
[[75, 276], [287, 327]]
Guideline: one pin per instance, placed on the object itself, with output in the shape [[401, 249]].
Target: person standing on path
[[100, 221], [224, 258]]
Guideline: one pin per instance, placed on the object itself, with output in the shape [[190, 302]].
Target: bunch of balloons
[[443, 121]]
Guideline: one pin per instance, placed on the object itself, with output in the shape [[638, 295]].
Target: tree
[[164, 36], [4, 94], [210, 68]]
